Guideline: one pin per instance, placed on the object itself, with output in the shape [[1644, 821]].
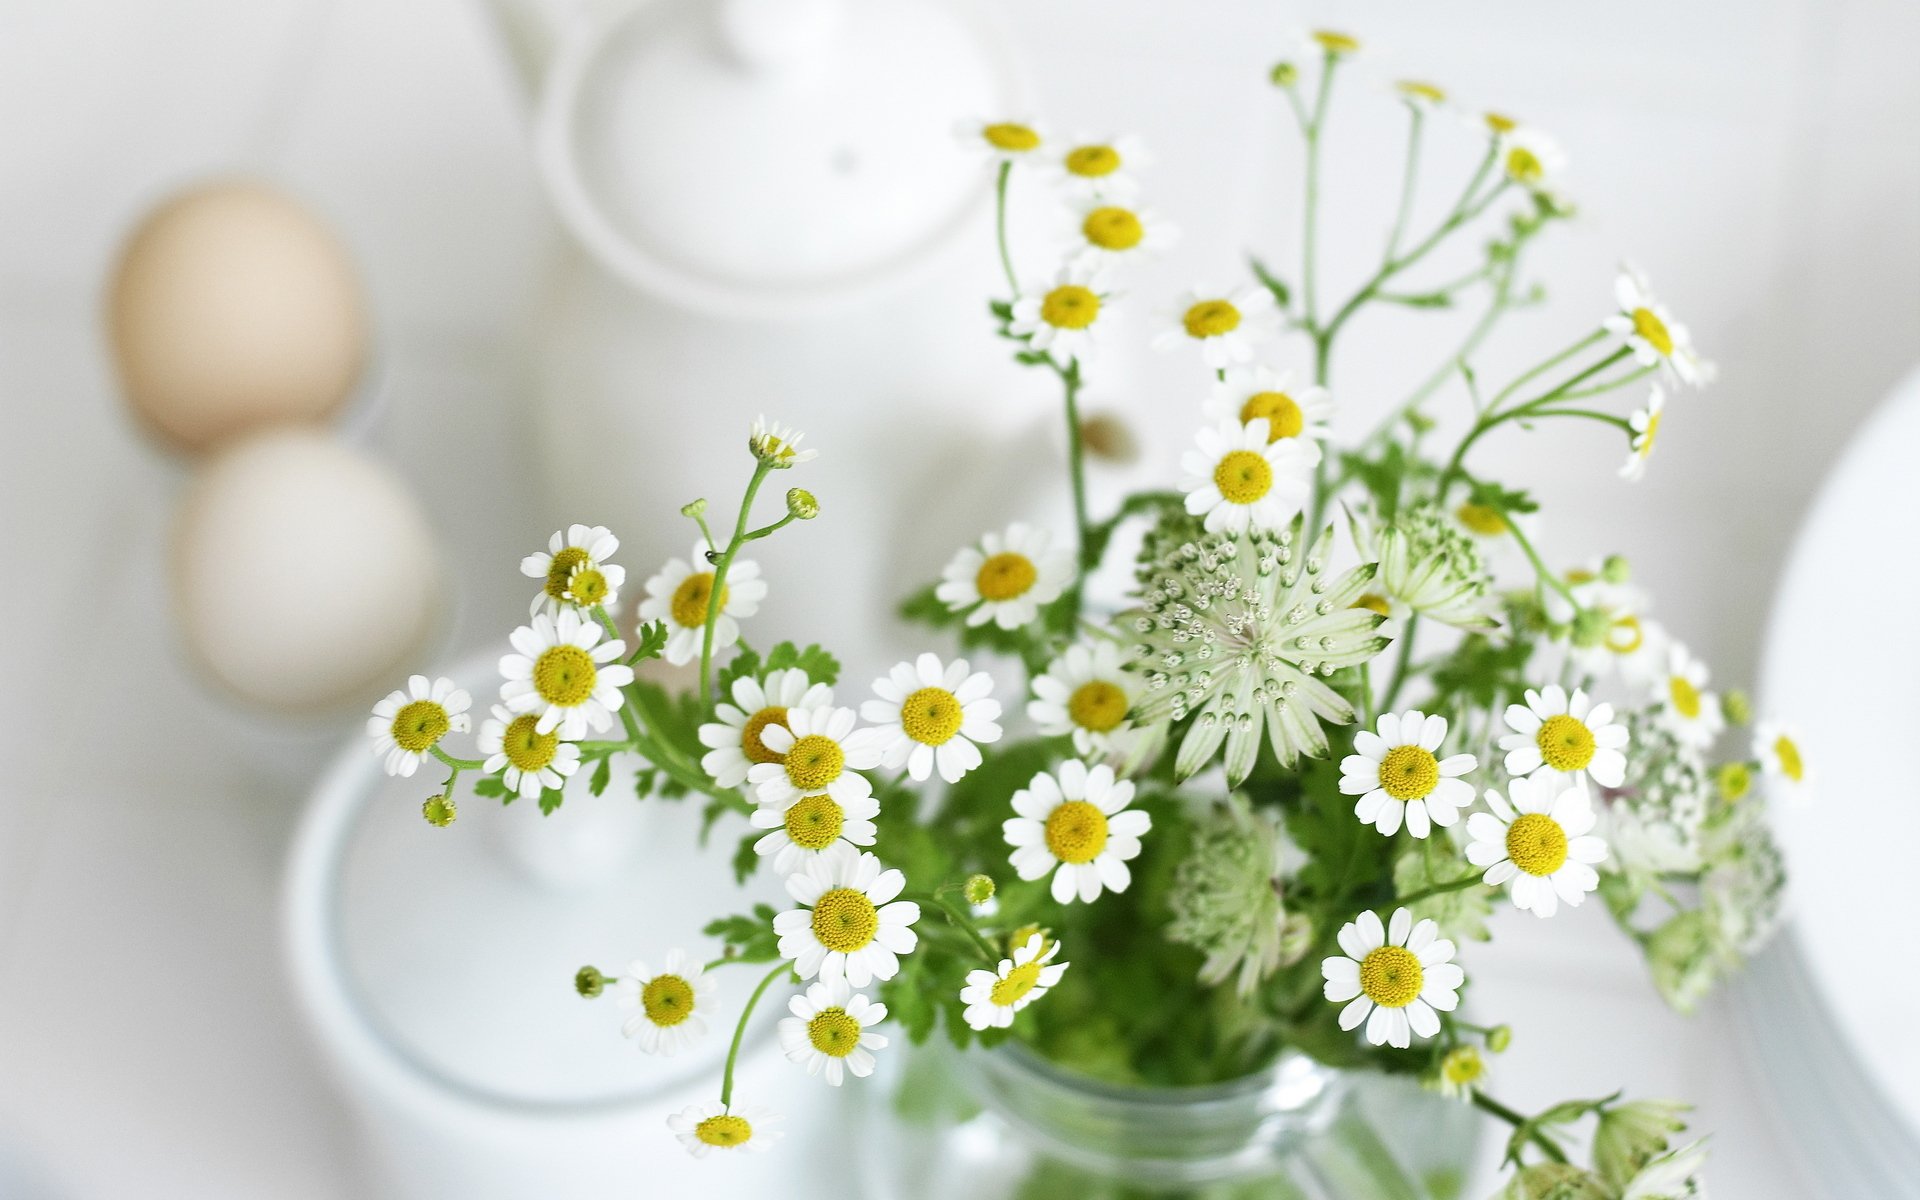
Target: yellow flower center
[[1735, 780], [1537, 844], [1483, 519], [931, 716], [419, 725], [814, 822], [561, 569], [526, 748], [1113, 228], [1076, 832], [1374, 602], [1097, 706], [1653, 330], [750, 733], [725, 1131], [1334, 42], [1422, 91], [1070, 306], [833, 1032], [1463, 1066], [1789, 755], [1019, 981], [1500, 122], [1409, 773], [814, 762], [1684, 696], [1391, 976], [1284, 418], [565, 675], [691, 598], [1524, 165], [1565, 743], [1243, 476], [667, 999], [844, 920], [1647, 436], [1211, 318], [1006, 135], [587, 586], [1093, 162], [1005, 576], [1625, 635]]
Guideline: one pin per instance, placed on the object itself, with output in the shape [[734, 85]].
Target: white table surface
[[1759, 158]]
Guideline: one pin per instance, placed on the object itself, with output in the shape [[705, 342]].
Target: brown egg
[[232, 308]]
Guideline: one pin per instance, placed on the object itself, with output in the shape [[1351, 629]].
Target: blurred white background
[[1758, 158]]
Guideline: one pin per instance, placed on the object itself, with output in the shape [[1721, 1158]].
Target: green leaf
[[819, 665], [652, 641], [1501, 499], [493, 786], [746, 860], [550, 799], [602, 773], [751, 938], [1282, 295]]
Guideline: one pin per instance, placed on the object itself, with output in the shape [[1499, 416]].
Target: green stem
[[1540, 568], [1439, 889], [1401, 663], [1488, 1104], [1494, 416], [1076, 469], [1409, 179], [960, 920], [719, 588], [1585, 413], [740, 1031], [1545, 365], [1309, 272], [1000, 226], [459, 764]]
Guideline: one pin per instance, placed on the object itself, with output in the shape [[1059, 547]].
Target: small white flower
[[527, 760], [407, 725], [1007, 577], [679, 595], [1085, 692], [1615, 634], [1645, 327], [1256, 391], [595, 585], [1393, 978], [928, 715], [778, 445], [850, 925], [1420, 94], [1237, 477], [1061, 317], [1225, 326], [733, 742], [818, 754], [1777, 747], [1688, 710], [1554, 734], [1002, 140], [1530, 158], [704, 1128], [670, 1005], [1107, 231], [1674, 1175], [1645, 423], [1079, 827], [564, 674], [1397, 775], [828, 1033], [567, 551], [1087, 166], [992, 997], [1539, 843], [810, 826]]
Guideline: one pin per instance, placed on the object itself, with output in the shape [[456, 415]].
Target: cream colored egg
[[304, 573], [233, 308]]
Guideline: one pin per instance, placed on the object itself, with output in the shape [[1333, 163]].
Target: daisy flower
[[594, 585], [1420, 94], [1109, 232], [928, 715], [1539, 843], [679, 595], [1226, 327], [777, 445], [1554, 733], [1778, 749], [1645, 327], [527, 760], [1061, 317], [733, 742], [810, 826], [1393, 977], [562, 673], [407, 725], [1004, 140], [817, 753], [567, 551], [849, 926], [828, 1031], [1239, 477], [1079, 827], [1098, 167], [670, 1005], [1248, 393], [1645, 424], [1529, 157], [1086, 692], [1007, 577], [704, 1128], [1688, 710], [1398, 777], [992, 997], [1334, 43], [1604, 625]]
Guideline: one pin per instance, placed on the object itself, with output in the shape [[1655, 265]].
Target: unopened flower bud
[[1590, 628], [694, 508], [1615, 569], [801, 505], [977, 890], [1734, 780], [1284, 74], [1737, 705], [1499, 1038], [439, 810], [589, 982]]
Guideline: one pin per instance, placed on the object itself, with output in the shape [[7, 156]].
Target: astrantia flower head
[[1569, 736], [829, 1032], [1226, 326], [1645, 326], [1226, 897], [849, 926], [1434, 569], [1687, 708], [1253, 392], [1645, 424], [1629, 1136], [407, 725], [1062, 317], [1530, 158], [1674, 1175], [1398, 775], [1007, 577], [1393, 977], [1100, 167], [1238, 634], [778, 445], [1653, 822], [733, 742], [565, 675], [992, 997], [670, 1006], [1108, 230], [704, 1128], [569, 550], [931, 715], [527, 760], [1086, 692], [1745, 878], [680, 594], [1002, 140], [1537, 840], [816, 753], [1238, 477], [1076, 824]]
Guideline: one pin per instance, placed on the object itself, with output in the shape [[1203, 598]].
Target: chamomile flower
[[1398, 776], [1778, 749], [1238, 477], [1007, 577], [1393, 977], [595, 585], [1108, 230], [669, 1006], [1226, 326], [1098, 167], [810, 826], [1248, 393], [681, 592], [1570, 736], [1537, 840], [1002, 140], [733, 742], [1420, 94], [818, 753], [704, 1128], [1334, 43], [829, 1031], [777, 445], [407, 725], [1530, 158], [562, 673], [567, 551], [1061, 317], [1085, 692], [1645, 424], [928, 715], [1645, 327], [1688, 710], [849, 925], [992, 997], [1079, 827], [1603, 624], [527, 760]]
